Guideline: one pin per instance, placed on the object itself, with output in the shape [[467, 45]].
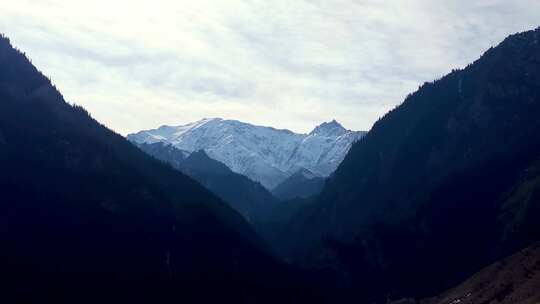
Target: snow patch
[[264, 154]]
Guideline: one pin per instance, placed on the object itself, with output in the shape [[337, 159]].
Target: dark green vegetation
[[443, 185], [86, 215]]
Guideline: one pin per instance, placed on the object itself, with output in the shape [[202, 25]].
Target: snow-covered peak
[[332, 128], [264, 154], [164, 133], [179, 130]]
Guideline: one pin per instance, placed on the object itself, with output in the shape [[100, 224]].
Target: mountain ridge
[[264, 154], [302, 184], [247, 197], [88, 217], [442, 185]]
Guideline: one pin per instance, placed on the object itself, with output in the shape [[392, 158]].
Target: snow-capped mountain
[[264, 154]]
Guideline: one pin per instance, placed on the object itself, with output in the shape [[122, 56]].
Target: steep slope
[[514, 280], [264, 154], [302, 184], [247, 197], [166, 153], [85, 215], [441, 186]]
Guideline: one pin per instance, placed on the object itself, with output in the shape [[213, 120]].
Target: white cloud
[[289, 64]]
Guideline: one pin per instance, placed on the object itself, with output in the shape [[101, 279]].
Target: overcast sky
[[284, 63]]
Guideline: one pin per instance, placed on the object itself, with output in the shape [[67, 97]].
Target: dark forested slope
[[441, 186], [84, 214], [247, 197]]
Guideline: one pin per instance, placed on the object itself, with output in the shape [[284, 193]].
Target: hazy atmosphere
[[279, 151], [140, 64]]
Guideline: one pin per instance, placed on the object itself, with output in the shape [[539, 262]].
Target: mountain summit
[[332, 128], [264, 154]]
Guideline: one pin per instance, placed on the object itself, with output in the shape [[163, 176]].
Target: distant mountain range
[[263, 154], [247, 197], [265, 211]]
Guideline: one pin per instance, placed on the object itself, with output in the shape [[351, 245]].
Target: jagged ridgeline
[[441, 186], [85, 214], [264, 154]]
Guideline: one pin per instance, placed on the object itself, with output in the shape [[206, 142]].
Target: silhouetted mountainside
[[302, 184], [86, 215], [443, 185], [265, 213], [249, 198], [277, 224]]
